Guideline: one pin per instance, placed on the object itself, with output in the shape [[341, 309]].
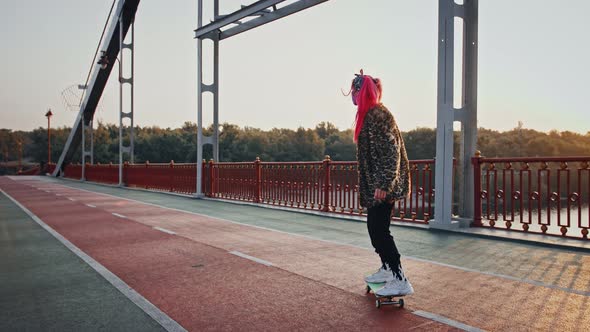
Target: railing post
[[147, 165], [171, 175], [126, 174], [258, 178], [476, 161], [327, 162], [83, 178], [203, 164], [211, 179], [104, 176]]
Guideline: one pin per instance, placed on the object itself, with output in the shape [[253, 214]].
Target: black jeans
[[378, 222]]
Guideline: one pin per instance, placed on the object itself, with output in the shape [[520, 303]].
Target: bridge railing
[[329, 186], [35, 170], [49, 168], [74, 171], [549, 195], [180, 178], [546, 195], [102, 173]]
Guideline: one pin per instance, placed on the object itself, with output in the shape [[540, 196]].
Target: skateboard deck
[[383, 300]]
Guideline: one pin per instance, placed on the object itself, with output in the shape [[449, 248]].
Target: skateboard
[[384, 300]]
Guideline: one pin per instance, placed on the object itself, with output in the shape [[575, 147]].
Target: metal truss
[[125, 149], [115, 31], [260, 12], [265, 11], [220, 28]]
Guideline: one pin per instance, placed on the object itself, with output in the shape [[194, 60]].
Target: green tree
[[245, 144], [420, 143], [340, 146], [326, 129]]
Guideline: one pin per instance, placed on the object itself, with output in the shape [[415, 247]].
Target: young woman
[[384, 177]]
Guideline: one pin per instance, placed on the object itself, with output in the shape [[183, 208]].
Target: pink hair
[[368, 97]]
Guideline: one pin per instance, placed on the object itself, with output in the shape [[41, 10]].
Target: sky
[[533, 63]]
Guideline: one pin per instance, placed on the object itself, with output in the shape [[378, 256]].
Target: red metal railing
[[324, 186], [343, 187], [234, 181], [104, 173], [419, 206], [35, 169], [180, 178], [536, 195], [49, 168], [74, 171], [149, 176], [292, 184]]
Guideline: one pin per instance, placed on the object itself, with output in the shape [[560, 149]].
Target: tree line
[[237, 143]]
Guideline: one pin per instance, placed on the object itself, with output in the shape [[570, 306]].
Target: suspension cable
[[96, 52]]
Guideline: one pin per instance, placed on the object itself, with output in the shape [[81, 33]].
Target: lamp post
[[48, 115]]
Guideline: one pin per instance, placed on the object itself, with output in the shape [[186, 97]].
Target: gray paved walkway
[[45, 287], [538, 264]]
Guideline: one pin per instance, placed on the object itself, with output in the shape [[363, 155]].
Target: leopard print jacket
[[382, 159]]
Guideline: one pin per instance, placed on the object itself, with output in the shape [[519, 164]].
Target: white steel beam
[[218, 23], [122, 114], [269, 17], [447, 114]]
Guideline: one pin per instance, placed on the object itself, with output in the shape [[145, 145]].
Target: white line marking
[[90, 205], [503, 276], [159, 316], [118, 215], [446, 320], [257, 260], [165, 230], [71, 199]]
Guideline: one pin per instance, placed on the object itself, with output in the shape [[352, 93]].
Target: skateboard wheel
[[401, 303], [378, 304]]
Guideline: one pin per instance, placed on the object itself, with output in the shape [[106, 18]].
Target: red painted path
[[197, 282]]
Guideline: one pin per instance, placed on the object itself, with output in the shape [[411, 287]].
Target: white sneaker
[[384, 274], [396, 287]]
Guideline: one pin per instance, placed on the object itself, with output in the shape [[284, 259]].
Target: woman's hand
[[380, 194]]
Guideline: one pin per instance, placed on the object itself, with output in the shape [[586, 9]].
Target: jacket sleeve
[[386, 152]]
